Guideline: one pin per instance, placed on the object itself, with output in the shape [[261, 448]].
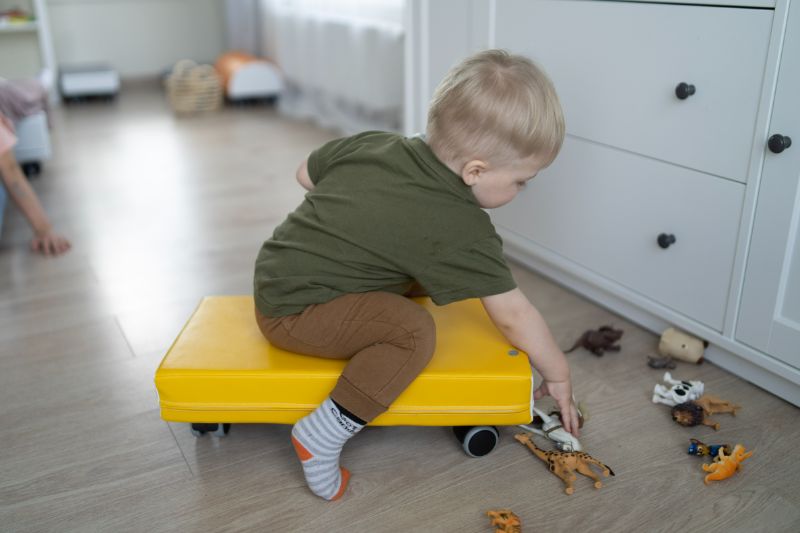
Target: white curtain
[[243, 26], [342, 59]]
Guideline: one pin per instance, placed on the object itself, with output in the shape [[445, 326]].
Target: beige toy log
[[680, 345]]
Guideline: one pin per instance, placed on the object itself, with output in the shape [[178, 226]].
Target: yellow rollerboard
[[220, 370]]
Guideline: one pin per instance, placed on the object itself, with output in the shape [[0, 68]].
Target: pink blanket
[[20, 98]]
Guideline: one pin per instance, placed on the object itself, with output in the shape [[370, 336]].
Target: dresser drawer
[[616, 66], [604, 209]]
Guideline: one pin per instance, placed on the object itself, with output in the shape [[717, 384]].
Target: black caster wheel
[[218, 430], [33, 168], [477, 441]]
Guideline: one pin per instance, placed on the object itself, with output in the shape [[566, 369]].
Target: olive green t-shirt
[[384, 212]]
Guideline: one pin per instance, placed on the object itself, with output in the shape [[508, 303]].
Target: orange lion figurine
[[724, 466]]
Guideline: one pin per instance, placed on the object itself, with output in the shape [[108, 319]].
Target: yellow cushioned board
[[221, 369]]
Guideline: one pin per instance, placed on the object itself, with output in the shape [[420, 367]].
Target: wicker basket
[[192, 88]]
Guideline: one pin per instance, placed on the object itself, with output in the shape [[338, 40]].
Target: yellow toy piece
[[220, 369], [724, 466]]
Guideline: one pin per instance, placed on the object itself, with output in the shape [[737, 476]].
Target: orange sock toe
[[318, 440]]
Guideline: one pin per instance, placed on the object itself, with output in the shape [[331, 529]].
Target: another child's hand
[[50, 243], [561, 392]]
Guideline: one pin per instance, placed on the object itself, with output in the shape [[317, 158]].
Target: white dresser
[[666, 203]]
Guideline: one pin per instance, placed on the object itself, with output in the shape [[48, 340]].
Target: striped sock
[[318, 440]]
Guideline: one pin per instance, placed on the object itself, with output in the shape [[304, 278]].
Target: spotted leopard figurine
[[564, 464]]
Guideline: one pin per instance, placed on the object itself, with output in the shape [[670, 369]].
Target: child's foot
[[318, 440]]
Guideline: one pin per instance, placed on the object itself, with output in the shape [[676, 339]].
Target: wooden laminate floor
[[163, 211]]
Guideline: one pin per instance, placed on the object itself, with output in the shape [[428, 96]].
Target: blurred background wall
[[137, 37], [343, 61]]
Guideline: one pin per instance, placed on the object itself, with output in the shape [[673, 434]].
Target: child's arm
[[45, 239], [524, 327], [302, 176]]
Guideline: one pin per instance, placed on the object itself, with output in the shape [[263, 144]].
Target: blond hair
[[497, 107]]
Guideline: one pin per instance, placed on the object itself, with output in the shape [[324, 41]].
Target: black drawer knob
[[778, 143], [684, 90], [666, 240]]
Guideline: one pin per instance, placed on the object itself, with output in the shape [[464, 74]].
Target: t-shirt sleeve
[[475, 271], [323, 157]]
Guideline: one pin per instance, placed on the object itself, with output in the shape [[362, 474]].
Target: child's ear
[[473, 171]]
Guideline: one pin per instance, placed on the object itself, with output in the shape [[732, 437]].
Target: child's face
[[495, 187]]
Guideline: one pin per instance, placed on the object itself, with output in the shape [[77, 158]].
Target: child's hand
[[524, 327], [561, 392], [50, 243]]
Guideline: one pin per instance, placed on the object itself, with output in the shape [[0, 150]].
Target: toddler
[[45, 239], [384, 214]]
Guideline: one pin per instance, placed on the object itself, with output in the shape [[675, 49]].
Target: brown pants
[[388, 339]]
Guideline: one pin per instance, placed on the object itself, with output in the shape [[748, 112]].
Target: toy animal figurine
[[599, 341], [550, 426], [677, 344], [700, 449], [505, 520], [724, 466], [660, 362], [583, 414], [713, 405], [680, 392], [564, 464], [691, 414]]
